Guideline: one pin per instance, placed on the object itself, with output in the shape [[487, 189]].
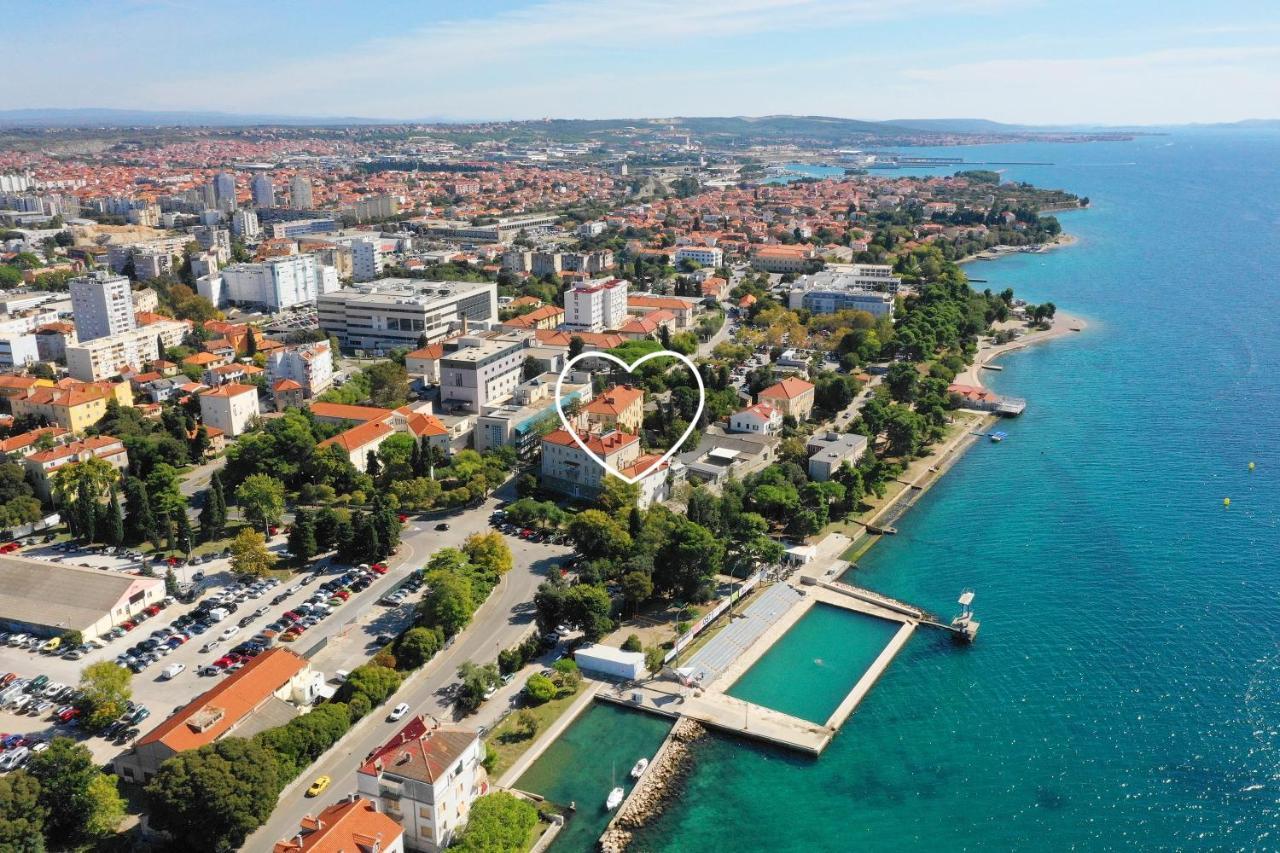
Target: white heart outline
[[630, 368]]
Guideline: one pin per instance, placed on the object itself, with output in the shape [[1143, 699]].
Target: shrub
[[540, 689], [632, 644]]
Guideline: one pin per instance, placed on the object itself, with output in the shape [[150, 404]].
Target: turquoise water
[[595, 753], [1125, 690], [794, 678]]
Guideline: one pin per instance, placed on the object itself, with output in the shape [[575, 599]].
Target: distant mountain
[[102, 117]]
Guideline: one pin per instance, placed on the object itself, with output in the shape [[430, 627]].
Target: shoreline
[[1063, 324], [1062, 241]]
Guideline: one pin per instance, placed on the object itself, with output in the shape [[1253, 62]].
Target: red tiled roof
[[348, 826], [789, 389], [231, 389], [27, 439], [360, 436], [601, 445], [91, 445], [615, 400], [420, 751]]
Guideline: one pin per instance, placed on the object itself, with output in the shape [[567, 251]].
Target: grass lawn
[[508, 743]]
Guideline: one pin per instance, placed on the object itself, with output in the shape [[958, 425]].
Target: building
[[544, 317], [24, 444], [482, 370], [287, 394], [49, 599], [570, 470], [352, 825], [42, 464], [706, 256], [300, 193], [398, 312], [854, 287], [17, 351], [829, 450], [359, 441], [620, 407], [71, 404], [719, 457], [760, 419], [310, 366], [101, 358], [793, 397], [426, 778], [515, 421], [366, 259], [101, 305], [278, 283], [230, 408], [244, 224], [645, 304], [783, 259], [272, 689], [264, 192], [610, 662], [983, 400], [224, 191], [295, 228], [595, 306]]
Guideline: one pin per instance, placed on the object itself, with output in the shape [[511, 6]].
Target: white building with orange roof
[[620, 407], [569, 470], [760, 419], [351, 825], [42, 464], [310, 365], [791, 396], [359, 441], [231, 408], [643, 304]]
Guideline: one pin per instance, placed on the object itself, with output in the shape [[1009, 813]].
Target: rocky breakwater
[[659, 784]]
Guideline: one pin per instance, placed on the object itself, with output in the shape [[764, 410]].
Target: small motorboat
[[641, 766], [615, 799]]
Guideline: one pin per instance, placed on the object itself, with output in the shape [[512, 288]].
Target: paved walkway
[[736, 637]]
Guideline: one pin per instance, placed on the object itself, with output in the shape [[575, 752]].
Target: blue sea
[[1124, 691]]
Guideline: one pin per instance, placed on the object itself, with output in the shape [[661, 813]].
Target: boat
[[615, 799], [998, 436], [641, 766]]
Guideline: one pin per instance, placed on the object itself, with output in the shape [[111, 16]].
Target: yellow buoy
[[1226, 501], [1250, 466]]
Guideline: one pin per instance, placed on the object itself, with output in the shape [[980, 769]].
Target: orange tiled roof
[[614, 401], [342, 411], [228, 702], [789, 388], [286, 385], [231, 389], [27, 439], [90, 445], [420, 751], [348, 826], [537, 315], [602, 445], [360, 436], [426, 425], [600, 340]]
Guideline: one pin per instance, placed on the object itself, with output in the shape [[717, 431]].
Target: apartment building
[[847, 287], [706, 256], [101, 358], [515, 421], [244, 224], [42, 464], [791, 396], [230, 408], [310, 366], [278, 283], [300, 193], [399, 312], [426, 778], [101, 305], [782, 259], [620, 407], [366, 259], [595, 306], [70, 404], [263, 191], [829, 450], [17, 351], [351, 825]]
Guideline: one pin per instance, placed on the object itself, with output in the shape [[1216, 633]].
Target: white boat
[[638, 770], [615, 799]]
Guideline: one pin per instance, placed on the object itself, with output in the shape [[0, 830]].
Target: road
[[502, 621]]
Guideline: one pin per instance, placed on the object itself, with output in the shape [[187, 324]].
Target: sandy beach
[[1063, 324]]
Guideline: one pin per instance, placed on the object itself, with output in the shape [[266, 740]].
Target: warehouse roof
[[50, 594]]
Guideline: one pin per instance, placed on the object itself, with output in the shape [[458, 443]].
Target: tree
[[261, 499], [489, 551], [417, 646], [653, 658], [589, 607], [527, 722], [597, 535], [498, 822], [388, 384], [375, 682], [139, 522], [617, 495], [636, 588], [105, 689], [476, 680], [113, 530], [632, 643], [249, 555], [213, 797], [302, 536], [448, 604], [80, 803], [326, 527], [22, 815], [576, 346], [539, 689], [688, 560], [551, 604], [901, 380]]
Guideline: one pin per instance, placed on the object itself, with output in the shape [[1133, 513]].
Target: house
[[351, 825], [569, 470], [973, 397], [231, 408], [782, 259], [682, 309], [648, 326], [714, 288], [426, 778], [761, 419], [359, 441], [719, 456], [829, 450], [345, 415], [24, 444], [287, 394], [793, 397], [272, 689], [42, 464], [620, 407], [311, 366], [18, 385], [546, 317], [72, 404]]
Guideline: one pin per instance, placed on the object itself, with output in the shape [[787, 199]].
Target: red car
[[69, 715], [222, 662], [128, 625], [290, 616], [403, 518], [9, 547], [379, 568], [153, 609], [343, 594]]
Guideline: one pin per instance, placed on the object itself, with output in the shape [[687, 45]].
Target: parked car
[[398, 712], [318, 786], [172, 671]]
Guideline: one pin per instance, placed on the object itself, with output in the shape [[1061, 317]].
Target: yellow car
[[51, 645], [318, 786]]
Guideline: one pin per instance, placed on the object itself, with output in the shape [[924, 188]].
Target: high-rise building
[[224, 190], [244, 224], [264, 192], [366, 259], [300, 193], [102, 305], [279, 282], [596, 305]]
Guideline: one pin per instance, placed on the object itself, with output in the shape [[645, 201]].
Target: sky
[[1020, 61]]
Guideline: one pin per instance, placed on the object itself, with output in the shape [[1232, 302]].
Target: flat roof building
[[50, 598], [398, 312]]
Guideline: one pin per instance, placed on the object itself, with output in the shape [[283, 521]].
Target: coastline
[[1063, 324], [1062, 241]]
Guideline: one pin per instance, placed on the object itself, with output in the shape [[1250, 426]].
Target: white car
[[210, 646], [173, 670], [398, 711], [230, 632]]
